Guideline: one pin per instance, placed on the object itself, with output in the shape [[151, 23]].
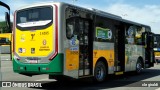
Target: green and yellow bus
[[5, 30], [157, 47], [61, 39]]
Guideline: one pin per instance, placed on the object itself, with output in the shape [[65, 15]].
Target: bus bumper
[[55, 67]]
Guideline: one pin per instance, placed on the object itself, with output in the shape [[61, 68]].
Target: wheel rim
[[139, 67], [100, 73]]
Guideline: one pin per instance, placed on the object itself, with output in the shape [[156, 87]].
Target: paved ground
[[129, 81], [4, 57]]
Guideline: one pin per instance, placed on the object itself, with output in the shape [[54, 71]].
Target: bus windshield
[[5, 38], [34, 17], [4, 41]]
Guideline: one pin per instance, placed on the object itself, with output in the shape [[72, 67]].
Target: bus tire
[[100, 72], [139, 66]]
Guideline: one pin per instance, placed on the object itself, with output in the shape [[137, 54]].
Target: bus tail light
[[51, 58], [56, 34], [47, 68], [16, 57], [13, 32]]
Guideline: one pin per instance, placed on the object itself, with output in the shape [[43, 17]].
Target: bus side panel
[[132, 53], [71, 58], [105, 50]]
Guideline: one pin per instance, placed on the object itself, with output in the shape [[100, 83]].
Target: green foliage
[[4, 28]]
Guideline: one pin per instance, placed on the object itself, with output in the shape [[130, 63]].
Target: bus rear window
[[34, 17], [4, 41]]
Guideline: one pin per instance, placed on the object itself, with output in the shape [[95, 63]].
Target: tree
[[4, 28]]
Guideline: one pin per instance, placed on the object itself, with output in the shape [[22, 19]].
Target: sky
[[142, 11]]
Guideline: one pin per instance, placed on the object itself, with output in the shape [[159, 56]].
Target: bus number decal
[[44, 33], [74, 52]]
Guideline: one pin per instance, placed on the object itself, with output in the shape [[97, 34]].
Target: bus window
[[86, 27], [69, 29], [130, 34], [104, 29], [4, 41], [28, 19], [138, 37], [81, 27], [74, 26]]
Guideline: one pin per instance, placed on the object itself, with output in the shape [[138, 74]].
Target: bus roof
[[92, 10]]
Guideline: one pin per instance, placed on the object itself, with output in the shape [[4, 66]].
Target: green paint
[[55, 66]]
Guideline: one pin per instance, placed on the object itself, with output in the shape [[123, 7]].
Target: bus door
[[85, 46], [148, 40], [119, 49], [79, 59]]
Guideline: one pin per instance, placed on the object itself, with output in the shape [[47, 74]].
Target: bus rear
[[35, 43]]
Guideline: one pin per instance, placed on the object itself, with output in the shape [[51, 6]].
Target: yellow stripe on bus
[[118, 73]]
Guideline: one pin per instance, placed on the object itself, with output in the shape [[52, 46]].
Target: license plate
[[33, 61]]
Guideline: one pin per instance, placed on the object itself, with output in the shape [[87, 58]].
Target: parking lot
[[128, 81]]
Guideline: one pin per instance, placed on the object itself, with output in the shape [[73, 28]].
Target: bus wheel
[[138, 67], [100, 72]]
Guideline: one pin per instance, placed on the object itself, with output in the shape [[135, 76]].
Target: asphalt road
[[129, 81]]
